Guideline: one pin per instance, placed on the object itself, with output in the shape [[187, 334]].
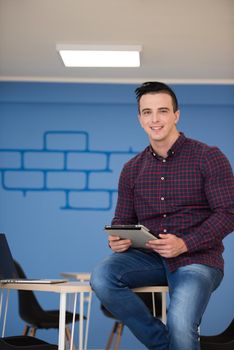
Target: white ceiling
[[183, 40]]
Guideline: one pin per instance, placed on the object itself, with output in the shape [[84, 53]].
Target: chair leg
[[33, 331], [26, 329], [68, 335], [109, 342], [118, 330]]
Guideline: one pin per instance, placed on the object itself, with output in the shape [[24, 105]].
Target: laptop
[[8, 271]]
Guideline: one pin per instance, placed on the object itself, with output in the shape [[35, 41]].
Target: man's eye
[[146, 113]]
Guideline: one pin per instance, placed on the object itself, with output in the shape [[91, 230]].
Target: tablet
[[138, 234]]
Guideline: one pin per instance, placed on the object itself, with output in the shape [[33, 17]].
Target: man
[[182, 190]]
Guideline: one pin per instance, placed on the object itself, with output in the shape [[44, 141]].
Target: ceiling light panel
[[100, 55]]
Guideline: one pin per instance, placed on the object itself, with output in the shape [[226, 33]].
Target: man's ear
[[177, 116], [139, 118]]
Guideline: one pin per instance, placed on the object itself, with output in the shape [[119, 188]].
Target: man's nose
[[155, 117]]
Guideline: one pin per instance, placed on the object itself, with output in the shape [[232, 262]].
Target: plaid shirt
[[190, 194]]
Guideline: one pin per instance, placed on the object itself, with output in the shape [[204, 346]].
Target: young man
[[182, 190]]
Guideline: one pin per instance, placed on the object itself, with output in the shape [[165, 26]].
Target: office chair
[[222, 341], [20, 342], [35, 316], [118, 326]]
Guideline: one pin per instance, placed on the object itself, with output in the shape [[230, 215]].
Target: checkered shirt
[[190, 193]]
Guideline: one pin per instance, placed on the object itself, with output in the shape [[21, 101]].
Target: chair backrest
[[29, 308], [229, 333]]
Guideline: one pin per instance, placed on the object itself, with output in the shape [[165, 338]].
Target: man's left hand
[[168, 246]]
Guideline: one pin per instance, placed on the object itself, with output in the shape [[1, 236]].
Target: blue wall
[[61, 150]]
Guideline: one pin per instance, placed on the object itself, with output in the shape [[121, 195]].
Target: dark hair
[[156, 87]]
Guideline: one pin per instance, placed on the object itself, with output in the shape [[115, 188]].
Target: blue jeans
[[190, 290]]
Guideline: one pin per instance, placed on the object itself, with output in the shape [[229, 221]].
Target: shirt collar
[[176, 147]]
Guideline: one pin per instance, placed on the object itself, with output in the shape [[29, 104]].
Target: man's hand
[[168, 246], [118, 244]]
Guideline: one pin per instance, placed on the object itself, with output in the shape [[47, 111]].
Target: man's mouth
[[156, 128]]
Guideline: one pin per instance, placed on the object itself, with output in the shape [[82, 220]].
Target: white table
[[63, 289], [85, 276]]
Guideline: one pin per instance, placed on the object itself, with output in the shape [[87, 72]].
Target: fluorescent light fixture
[[100, 55]]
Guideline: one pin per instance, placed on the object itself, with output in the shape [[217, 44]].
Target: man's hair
[[154, 87]]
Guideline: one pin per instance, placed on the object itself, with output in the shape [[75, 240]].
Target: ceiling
[[183, 40]]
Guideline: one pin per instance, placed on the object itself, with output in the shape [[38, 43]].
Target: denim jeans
[[190, 289]]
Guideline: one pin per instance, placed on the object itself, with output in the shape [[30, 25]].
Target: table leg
[[87, 321], [62, 316], [164, 307], [81, 332], [73, 320], [5, 313], [153, 302]]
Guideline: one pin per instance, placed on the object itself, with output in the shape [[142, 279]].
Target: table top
[[85, 276], [72, 287], [65, 287], [151, 289], [81, 276]]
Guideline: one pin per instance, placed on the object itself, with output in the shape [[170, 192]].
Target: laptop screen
[[7, 266]]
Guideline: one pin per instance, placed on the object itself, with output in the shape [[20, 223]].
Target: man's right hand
[[118, 244]]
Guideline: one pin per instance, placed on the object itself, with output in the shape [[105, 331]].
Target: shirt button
[[162, 178], [162, 198], [164, 215], [165, 230], [164, 160]]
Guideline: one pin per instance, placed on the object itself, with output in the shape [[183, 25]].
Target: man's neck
[[162, 147]]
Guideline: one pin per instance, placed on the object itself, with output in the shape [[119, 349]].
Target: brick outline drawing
[[65, 166]]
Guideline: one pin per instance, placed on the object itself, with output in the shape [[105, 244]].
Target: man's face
[[157, 117]]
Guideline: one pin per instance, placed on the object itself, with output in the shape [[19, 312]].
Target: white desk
[[85, 276], [63, 289]]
